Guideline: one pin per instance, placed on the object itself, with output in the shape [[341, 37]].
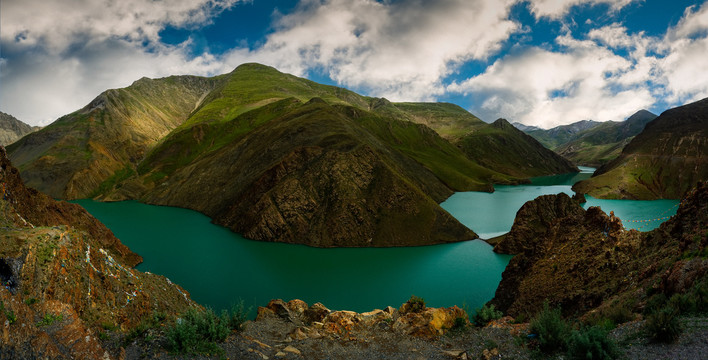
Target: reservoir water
[[219, 267]]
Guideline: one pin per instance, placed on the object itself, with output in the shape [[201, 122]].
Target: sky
[[538, 62]]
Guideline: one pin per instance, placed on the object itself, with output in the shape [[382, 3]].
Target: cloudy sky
[[538, 62]]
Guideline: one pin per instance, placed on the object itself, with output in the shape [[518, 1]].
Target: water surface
[[218, 266]]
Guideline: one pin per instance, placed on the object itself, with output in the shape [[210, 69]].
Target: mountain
[[587, 263], [666, 159], [604, 142], [72, 156], [67, 281], [12, 129], [525, 128], [559, 135], [269, 155], [498, 146]]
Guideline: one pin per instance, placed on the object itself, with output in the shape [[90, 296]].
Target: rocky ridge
[[67, 280], [12, 129], [585, 260]]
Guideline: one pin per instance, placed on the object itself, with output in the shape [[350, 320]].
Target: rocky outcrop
[[66, 279], [37, 209], [316, 321], [580, 259]]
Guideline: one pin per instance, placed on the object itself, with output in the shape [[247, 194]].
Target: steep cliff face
[[665, 160], [66, 278], [12, 129], [580, 259]]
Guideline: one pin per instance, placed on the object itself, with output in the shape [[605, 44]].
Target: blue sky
[[539, 62]]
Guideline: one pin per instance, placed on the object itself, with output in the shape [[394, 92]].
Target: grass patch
[[50, 319], [592, 343], [664, 325]]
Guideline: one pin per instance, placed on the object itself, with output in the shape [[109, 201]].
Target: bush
[[236, 317], [486, 314], [591, 343], [551, 329], [664, 325], [197, 332], [416, 304]]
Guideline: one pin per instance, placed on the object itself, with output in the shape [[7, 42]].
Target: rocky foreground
[[67, 280]]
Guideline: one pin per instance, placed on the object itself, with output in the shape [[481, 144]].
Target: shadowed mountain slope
[[666, 159]]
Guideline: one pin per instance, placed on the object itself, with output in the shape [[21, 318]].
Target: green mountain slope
[[12, 129], [663, 161], [272, 156], [316, 175], [602, 143], [503, 148], [73, 156]]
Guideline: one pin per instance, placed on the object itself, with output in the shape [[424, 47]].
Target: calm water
[[491, 215], [219, 267]]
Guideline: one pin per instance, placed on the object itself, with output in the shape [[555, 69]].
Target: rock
[[298, 334], [454, 353], [292, 349], [490, 354], [316, 313], [280, 354]]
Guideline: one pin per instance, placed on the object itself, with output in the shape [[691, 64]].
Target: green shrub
[[197, 332], [236, 317], [486, 314], [460, 323], [592, 343], [664, 325], [50, 319], [31, 301], [551, 329], [416, 304]]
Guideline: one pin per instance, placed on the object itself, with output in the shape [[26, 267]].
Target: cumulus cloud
[[400, 50], [72, 21], [55, 64], [687, 45], [556, 9], [541, 87]]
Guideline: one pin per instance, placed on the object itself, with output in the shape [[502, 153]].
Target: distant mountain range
[[12, 129], [592, 143], [280, 158], [665, 160]]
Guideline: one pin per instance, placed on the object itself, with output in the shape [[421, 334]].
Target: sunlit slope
[[73, 156]]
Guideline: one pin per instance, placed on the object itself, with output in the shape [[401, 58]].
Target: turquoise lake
[[219, 267]]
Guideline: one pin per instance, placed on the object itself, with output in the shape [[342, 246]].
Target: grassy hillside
[[602, 143], [663, 161], [73, 156], [502, 147], [559, 135]]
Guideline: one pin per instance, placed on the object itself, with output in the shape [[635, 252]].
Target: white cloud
[[57, 25], [58, 55], [400, 50], [555, 9], [549, 88], [682, 70]]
